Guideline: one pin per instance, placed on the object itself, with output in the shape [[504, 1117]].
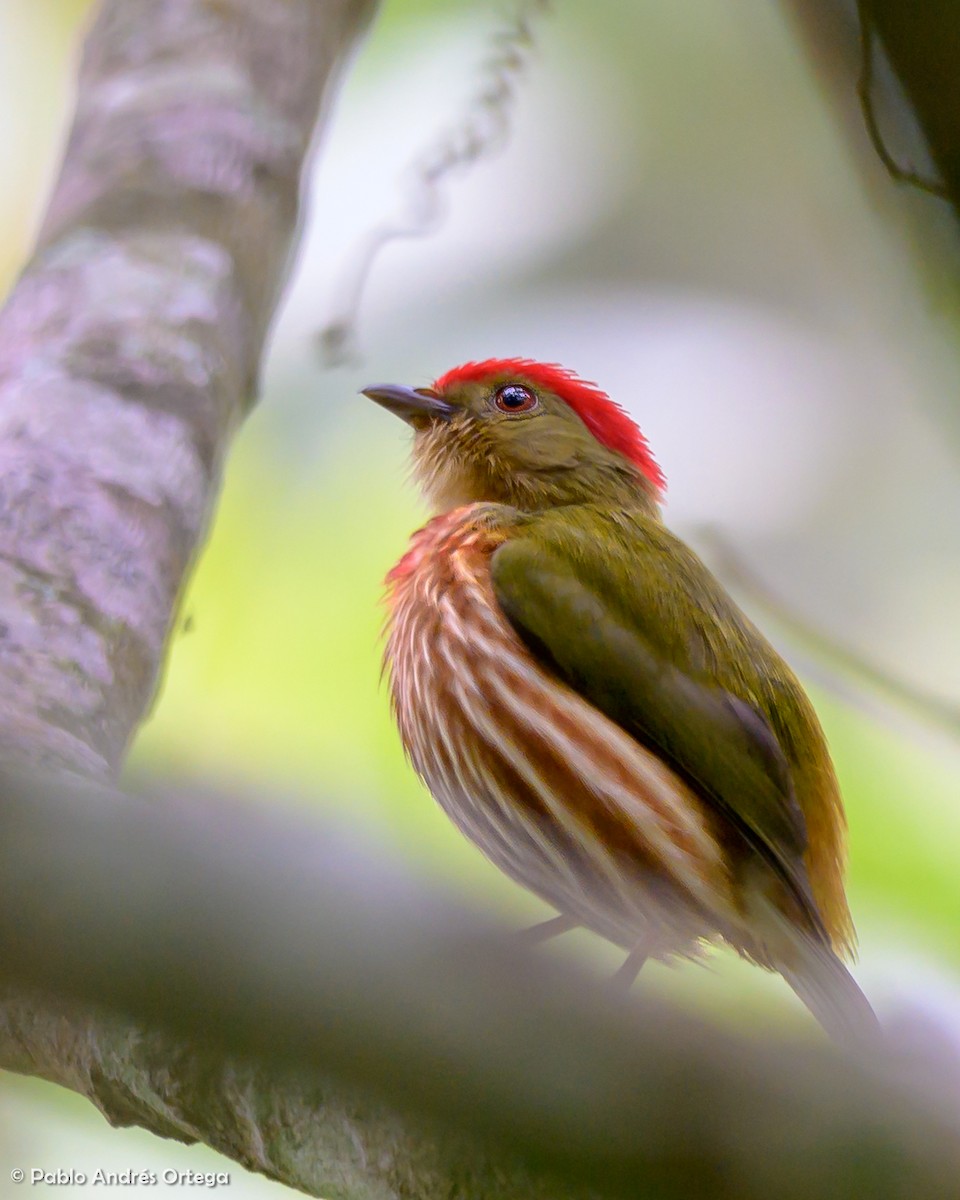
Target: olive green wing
[[621, 622]]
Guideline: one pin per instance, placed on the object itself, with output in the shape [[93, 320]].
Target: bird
[[588, 704]]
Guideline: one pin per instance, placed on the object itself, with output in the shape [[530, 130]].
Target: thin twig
[[839, 658], [481, 132]]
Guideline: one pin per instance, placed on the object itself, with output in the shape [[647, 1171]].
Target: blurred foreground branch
[[282, 943]]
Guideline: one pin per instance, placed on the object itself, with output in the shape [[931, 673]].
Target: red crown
[[605, 419]]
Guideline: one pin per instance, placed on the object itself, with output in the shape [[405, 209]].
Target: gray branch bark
[[130, 348], [260, 935]]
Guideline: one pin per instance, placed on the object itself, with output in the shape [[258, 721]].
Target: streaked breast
[[551, 790]]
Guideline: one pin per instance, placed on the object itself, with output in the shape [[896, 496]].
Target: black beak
[[410, 403]]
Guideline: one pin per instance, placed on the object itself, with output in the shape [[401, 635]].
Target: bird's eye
[[515, 398]]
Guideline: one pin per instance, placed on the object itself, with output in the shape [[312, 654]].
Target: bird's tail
[[823, 983]]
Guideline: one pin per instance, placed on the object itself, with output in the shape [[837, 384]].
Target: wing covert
[[561, 605]]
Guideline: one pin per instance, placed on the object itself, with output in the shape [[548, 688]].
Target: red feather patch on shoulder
[[605, 419]]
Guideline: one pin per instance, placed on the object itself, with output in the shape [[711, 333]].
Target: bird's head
[[523, 433]]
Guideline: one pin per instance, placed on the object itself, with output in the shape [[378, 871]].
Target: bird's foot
[[623, 980], [545, 930]]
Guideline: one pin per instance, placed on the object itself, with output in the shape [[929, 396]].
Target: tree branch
[[280, 942], [130, 348], [920, 42], [870, 120]]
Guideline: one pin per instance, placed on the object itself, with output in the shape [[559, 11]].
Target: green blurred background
[[680, 216]]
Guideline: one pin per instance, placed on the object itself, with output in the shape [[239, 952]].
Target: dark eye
[[514, 398]]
